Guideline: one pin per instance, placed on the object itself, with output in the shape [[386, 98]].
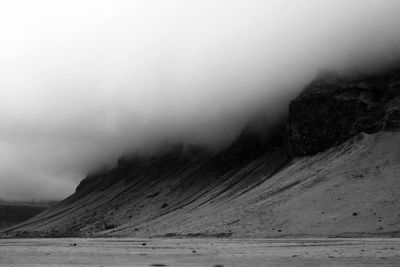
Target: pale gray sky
[[82, 82]]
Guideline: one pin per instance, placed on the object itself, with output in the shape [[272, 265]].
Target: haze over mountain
[[83, 83], [331, 170]]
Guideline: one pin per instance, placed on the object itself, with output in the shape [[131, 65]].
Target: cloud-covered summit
[[84, 82]]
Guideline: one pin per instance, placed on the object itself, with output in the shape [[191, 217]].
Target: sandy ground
[[199, 252]]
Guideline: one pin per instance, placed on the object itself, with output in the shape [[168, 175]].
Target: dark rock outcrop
[[332, 109]]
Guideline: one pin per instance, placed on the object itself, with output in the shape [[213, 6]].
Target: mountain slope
[[347, 190], [334, 172]]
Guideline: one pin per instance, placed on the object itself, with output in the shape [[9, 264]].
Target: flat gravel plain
[[200, 252]]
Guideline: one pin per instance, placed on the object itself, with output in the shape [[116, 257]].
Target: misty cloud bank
[[83, 82]]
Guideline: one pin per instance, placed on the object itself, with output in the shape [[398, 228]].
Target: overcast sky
[[83, 82]]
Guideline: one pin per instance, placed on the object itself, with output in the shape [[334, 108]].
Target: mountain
[[14, 212], [332, 171]]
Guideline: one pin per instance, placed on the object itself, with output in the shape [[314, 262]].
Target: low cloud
[[83, 82]]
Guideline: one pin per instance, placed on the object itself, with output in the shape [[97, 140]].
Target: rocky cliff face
[[332, 109], [258, 187]]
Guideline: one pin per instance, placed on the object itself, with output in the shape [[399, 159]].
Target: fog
[[83, 82]]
